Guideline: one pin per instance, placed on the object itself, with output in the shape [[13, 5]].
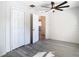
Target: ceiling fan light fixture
[[32, 5], [53, 11]]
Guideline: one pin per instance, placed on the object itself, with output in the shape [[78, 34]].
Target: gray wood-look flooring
[[58, 48]]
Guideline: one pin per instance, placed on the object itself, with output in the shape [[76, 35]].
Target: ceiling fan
[[53, 7], [58, 7]]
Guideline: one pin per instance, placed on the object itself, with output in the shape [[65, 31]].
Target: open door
[[34, 28]]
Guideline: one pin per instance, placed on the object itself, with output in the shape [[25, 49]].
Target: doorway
[[42, 24], [37, 28]]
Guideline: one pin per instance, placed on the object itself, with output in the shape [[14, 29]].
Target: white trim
[[2, 54]]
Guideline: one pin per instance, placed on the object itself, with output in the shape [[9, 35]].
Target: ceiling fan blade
[[64, 6], [52, 4], [59, 9], [61, 4]]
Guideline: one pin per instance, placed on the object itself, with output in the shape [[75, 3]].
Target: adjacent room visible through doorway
[[42, 26]]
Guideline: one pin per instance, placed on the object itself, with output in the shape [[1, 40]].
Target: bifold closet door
[[17, 28]]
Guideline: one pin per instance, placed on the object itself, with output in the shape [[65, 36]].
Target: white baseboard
[[2, 54]]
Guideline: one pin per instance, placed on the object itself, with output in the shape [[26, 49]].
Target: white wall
[[48, 26], [64, 25], [2, 27]]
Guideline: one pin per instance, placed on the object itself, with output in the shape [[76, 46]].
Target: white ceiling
[[40, 3]]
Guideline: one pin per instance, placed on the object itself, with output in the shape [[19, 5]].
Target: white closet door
[[17, 28], [35, 28]]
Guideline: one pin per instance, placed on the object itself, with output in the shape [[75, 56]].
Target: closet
[[17, 28]]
